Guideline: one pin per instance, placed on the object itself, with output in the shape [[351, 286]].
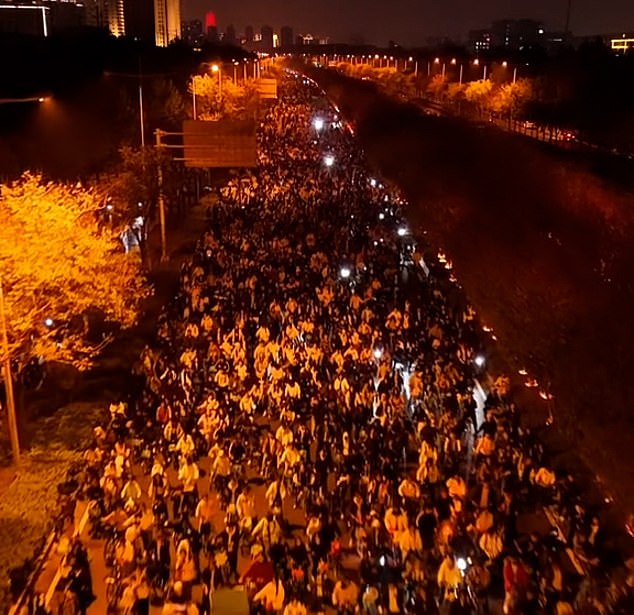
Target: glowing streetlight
[[48, 322], [215, 68], [373, 182], [345, 272], [329, 160], [476, 62], [381, 216], [479, 360], [318, 124], [402, 231], [453, 61], [461, 563], [437, 61], [378, 353], [505, 64]]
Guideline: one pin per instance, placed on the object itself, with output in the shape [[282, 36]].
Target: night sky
[[410, 22]]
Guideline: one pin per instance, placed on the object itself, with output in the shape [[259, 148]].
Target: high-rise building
[[516, 33], [167, 21], [25, 19], [480, 40], [230, 35], [139, 19], [267, 38], [211, 27], [41, 17], [192, 32], [114, 12], [286, 36]]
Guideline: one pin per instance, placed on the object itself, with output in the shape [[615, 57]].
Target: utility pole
[[194, 97], [568, 14], [141, 113], [161, 199], [8, 382], [141, 118]]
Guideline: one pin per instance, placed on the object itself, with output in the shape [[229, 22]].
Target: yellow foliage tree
[[223, 99], [437, 86], [479, 93], [61, 262]]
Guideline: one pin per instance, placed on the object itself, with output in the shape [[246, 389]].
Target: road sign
[[222, 144], [267, 88]]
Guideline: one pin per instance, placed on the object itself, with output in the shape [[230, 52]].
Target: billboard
[[267, 88], [222, 144]]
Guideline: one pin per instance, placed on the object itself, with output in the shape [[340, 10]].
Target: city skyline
[[411, 22]]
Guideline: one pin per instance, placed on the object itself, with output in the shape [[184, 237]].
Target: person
[[188, 474], [516, 582], [449, 579], [295, 607], [271, 596], [463, 605], [345, 596]]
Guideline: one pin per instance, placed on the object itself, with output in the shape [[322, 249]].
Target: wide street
[[313, 379]]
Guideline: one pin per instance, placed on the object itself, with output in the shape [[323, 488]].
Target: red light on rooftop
[[210, 19]]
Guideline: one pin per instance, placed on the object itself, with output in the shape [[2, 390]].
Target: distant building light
[[540, 31], [622, 44]]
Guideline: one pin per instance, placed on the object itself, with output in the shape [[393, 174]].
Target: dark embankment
[[544, 249]]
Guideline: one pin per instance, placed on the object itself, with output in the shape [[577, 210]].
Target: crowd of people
[[305, 425]]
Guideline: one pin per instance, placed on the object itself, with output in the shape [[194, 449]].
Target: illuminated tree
[[479, 94], [215, 101], [61, 263], [511, 99], [456, 93], [437, 86]]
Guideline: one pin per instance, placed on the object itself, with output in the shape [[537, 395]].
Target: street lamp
[[402, 231], [48, 322], [318, 124], [329, 160], [215, 68], [345, 272], [479, 360]]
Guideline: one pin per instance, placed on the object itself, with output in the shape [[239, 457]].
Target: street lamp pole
[[161, 199], [141, 114], [8, 382], [194, 114]]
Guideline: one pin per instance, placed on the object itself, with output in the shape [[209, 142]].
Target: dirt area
[[544, 249]]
